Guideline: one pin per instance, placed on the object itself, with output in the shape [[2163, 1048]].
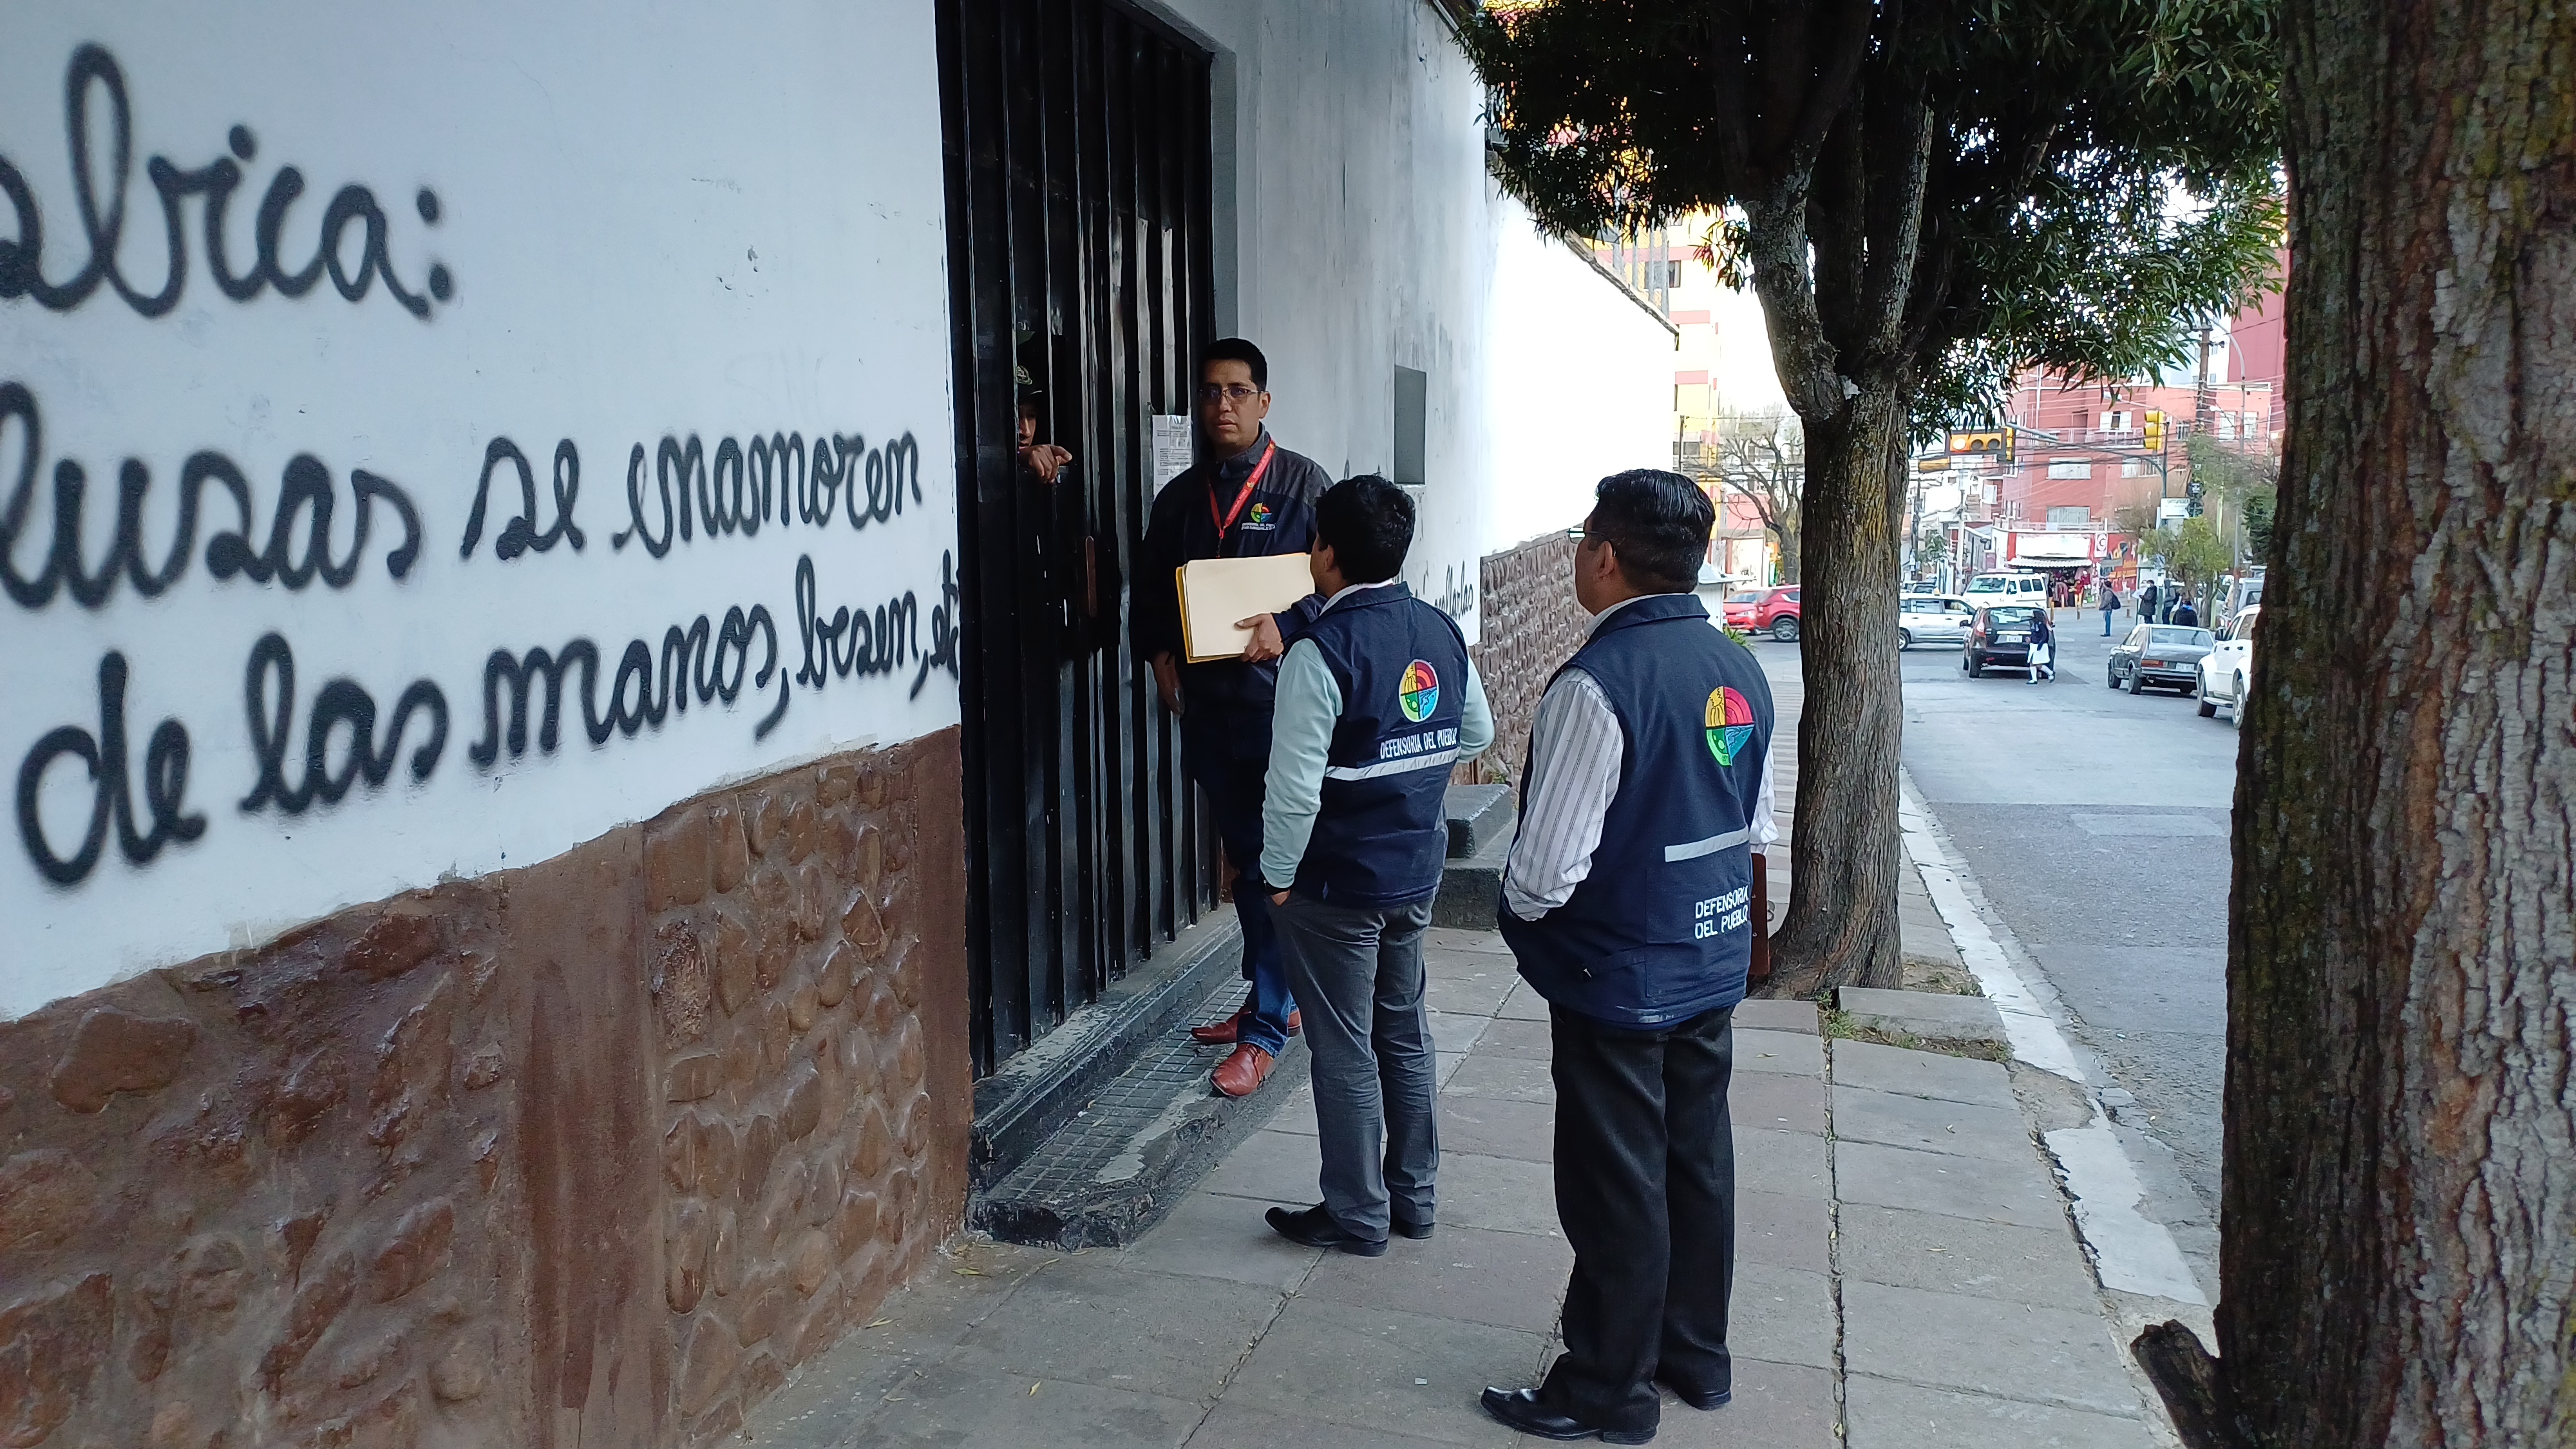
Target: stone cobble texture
[[1531, 626], [593, 1151]]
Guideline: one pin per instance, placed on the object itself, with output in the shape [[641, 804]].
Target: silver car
[[1932, 619], [2164, 655]]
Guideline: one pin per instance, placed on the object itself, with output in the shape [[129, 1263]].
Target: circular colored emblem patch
[[1419, 693], [1730, 724]]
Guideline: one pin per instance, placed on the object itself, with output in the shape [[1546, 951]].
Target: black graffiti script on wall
[[297, 551], [776, 479], [101, 203], [268, 697], [165, 786], [863, 643], [643, 691], [520, 534]]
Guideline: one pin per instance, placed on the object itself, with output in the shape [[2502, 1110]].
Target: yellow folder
[[1217, 591]]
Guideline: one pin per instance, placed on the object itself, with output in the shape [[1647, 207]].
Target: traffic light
[[2155, 440], [2012, 438]]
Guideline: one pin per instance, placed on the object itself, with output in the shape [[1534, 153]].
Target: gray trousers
[[1357, 975]]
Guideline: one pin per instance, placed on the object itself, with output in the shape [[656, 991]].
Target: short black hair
[[1235, 349], [1368, 524], [1659, 522]]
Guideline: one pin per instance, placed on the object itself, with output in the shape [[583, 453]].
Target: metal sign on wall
[[420, 464]]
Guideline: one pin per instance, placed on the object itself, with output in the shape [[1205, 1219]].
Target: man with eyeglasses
[[1247, 497]]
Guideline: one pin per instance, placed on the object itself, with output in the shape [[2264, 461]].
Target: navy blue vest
[[1381, 835], [1661, 930]]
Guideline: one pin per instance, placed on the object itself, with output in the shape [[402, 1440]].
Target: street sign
[[1931, 465], [2169, 509]]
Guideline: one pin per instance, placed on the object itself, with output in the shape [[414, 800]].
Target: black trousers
[[1645, 1189]]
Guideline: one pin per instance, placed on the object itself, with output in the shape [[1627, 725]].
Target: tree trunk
[[1841, 926], [2399, 1214], [1787, 531]]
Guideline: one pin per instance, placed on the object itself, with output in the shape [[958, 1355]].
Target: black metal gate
[[1077, 135]]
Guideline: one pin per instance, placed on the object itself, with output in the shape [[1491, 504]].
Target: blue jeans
[[1234, 792], [2106, 623]]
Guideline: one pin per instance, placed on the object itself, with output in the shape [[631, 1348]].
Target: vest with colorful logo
[[1661, 930], [1382, 834]]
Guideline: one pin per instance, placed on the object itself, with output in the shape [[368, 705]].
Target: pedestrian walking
[[1376, 702], [1627, 899], [1248, 498], [2110, 606], [2043, 646]]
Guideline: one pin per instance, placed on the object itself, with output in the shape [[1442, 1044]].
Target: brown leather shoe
[[1230, 1030], [1242, 1073]]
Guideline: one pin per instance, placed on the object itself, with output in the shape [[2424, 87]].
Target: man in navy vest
[[1247, 498], [1376, 702], [1628, 898]]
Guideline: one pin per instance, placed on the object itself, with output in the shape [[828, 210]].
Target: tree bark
[[2399, 1200], [1841, 926]]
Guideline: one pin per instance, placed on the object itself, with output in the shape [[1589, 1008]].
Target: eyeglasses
[[1237, 393]]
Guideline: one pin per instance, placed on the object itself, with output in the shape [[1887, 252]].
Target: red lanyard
[[1227, 521]]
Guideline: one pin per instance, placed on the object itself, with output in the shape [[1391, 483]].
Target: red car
[[1774, 611]]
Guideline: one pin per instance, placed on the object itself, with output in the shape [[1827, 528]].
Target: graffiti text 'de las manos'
[[325, 745]]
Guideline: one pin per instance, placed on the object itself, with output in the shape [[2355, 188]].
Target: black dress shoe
[[1697, 1398], [1316, 1229], [1408, 1227], [1520, 1409]]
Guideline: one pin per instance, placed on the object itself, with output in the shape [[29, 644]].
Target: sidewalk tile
[[1358, 1367], [1865, 1114], [1501, 1193], [1886, 1415], [1208, 1236], [1779, 1051], [1771, 1099], [1449, 961], [949, 1406], [1777, 1406], [1452, 1032], [1271, 1166], [1296, 1113], [1758, 1014], [1983, 1346], [1510, 1280], [1516, 1079], [1963, 1187], [1453, 938], [1470, 995], [1785, 1315], [1789, 1163], [1097, 1321], [1445, 1065], [1524, 1004], [1789, 1231], [1235, 1427], [1922, 1074], [1947, 1254], [1498, 1127], [1510, 1036]]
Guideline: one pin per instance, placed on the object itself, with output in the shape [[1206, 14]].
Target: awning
[[2051, 550]]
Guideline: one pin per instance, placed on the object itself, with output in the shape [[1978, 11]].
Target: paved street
[[2097, 824]]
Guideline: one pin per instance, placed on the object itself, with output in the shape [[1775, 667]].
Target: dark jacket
[[1401, 666], [1225, 703], [1661, 930]]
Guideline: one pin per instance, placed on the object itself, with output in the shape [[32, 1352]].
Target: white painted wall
[[1358, 230], [675, 219], [1581, 387]]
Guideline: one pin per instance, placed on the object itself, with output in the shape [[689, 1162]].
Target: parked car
[[2164, 655], [1772, 611], [2227, 670], [2238, 595], [1932, 619], [2014, 588], [1998, 637]]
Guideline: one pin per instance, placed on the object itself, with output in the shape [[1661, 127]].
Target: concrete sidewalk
[[1907, 1277]]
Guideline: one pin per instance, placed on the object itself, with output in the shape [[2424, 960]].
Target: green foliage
[[2191, 550], [2062, 134], [2249, 482]]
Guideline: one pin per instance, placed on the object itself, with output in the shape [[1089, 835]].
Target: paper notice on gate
[[1171, 447], [1217, 591]]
